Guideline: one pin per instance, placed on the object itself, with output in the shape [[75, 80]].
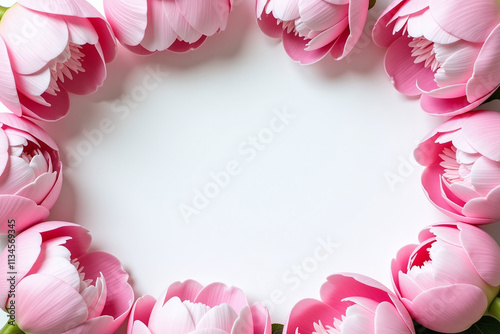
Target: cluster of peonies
[[446, 283]]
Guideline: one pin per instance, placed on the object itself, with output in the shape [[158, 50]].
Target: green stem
[[493, 310], [11, 329], [2, 11]]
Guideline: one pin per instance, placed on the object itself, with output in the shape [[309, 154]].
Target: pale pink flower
[[444, 50], [188, 307], [147, 26], [61, 288], [311, 29], [449, 279], [462, 177], [30, 172], [49, 49], [350, 303]]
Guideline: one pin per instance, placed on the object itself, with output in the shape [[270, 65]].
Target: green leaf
[[277, 328], [371, 4], [486, 325], [11, 329], [2, 11]]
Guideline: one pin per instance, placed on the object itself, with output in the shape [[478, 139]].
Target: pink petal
[[138, 328], [433, 32], [140, 312], [17, 175], [38, 190], [486, 76], [187, 290], [449, 309], [358, 11], [128, 19], [295, 47], [81, 31], [483, 252], [120, 295], [172, 318], [400, 66], [159, 33], [84, 83], [482, 131], [101, 325], [181, 26], [53, 195], [62, 7], [28, 51], [286, 10], [222, 317], [95, 297], [181, 46], [320, 15], [472, 21], [4, 150], [261, 319], [269, 26], [46, 304], [27, 126], [207, 17], [382, 32], [307, 312], [328, 36], [28, 246], [23, 210], [57, 109], [244, 323], [485, 175], [484, 208], [400, 265], [8, 92], [457, 64], [218, 293], [448, 107]]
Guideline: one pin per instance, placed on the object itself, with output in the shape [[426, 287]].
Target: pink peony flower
[[147, 26], [311, 29], [50, 48], [444, 50], [350, 303], [30, 172], [59, 287], [448, 281], [189, 308], [462, 177]]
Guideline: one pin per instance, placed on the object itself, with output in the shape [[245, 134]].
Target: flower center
[[454, 171], [68, 60], [423, 51]]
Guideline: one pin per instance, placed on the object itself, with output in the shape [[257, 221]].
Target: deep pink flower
[[30, 172], [350, 303], [462, 177], [189, 308], [60, 287], [49, 49], [147, 26], [444, 50], [449, 279], [311, 29]]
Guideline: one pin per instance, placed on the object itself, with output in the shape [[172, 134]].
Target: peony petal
[[269, 26], [382, 32], [128, 19], [103, 324], [400, 66], [482, 131], [320, 15], [207, 17], [181, 46], [172, 318], [457, 63], [485, 175], [62, 7], [8, 92], [244, 323], [218, 293], [433, 32], [159, 33], [295, 47], [4, 150], [222, 317], [27, 41], [23, 210], [464, 22], [38, 190], [307, 312], [358, 11], [29, 127], [181, 26], [261, 319], [286, 10], [448, 107], [17, 175], [388, 320], [328, 36], [41, 310], [140, 312], [442, 309], [483, 252], [138, 328], [187, 290], [486, 77], [120, 295], [484, 208]]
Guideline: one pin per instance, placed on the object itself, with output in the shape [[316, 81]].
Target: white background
[[324, 176]]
